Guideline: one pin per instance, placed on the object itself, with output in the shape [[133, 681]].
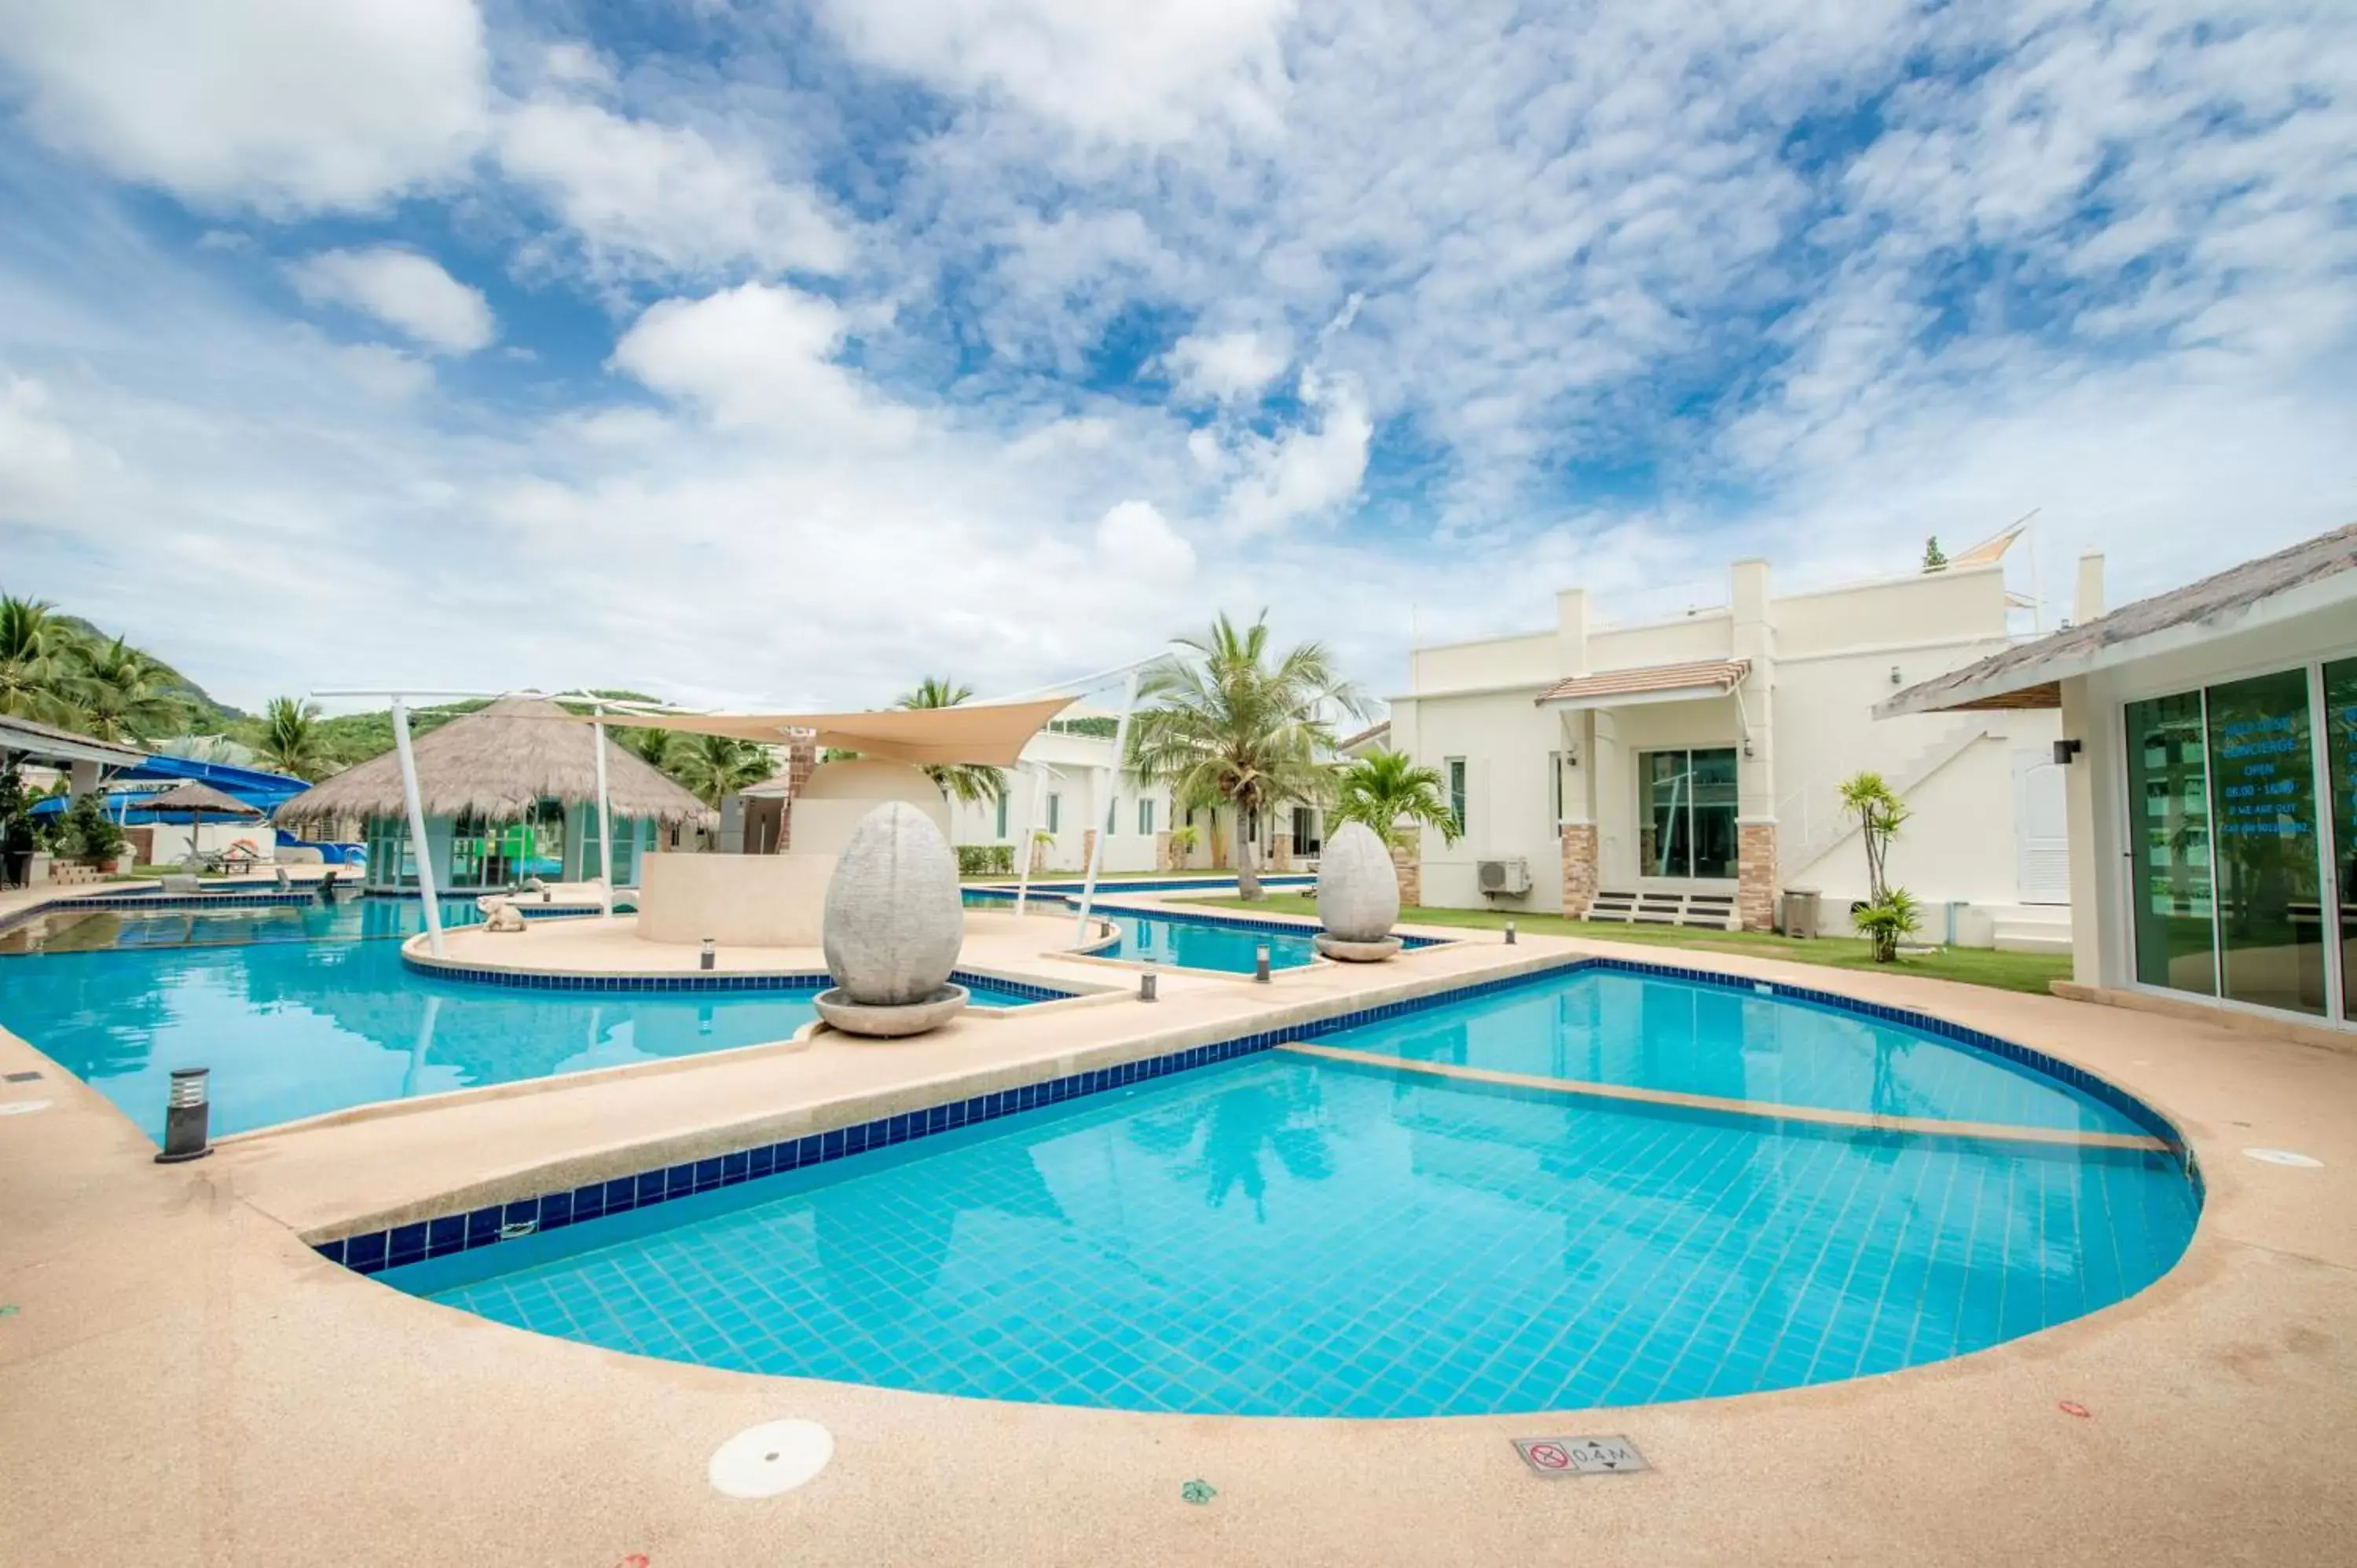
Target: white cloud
[[1303, 470], [760, 355], [1138, 541], [286, 104], [1226, 367], [1147, 72], [403, 289], [663, 200]]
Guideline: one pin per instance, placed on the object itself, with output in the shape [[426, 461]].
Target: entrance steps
[[1711, 911], [2031, 927]]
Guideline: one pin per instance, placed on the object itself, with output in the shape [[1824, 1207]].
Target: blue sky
[[787, 351]]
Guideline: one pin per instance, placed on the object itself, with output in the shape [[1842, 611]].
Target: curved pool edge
[[451, 1227], [1865, 1470]]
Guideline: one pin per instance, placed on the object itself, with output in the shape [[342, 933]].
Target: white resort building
[[1692, 765], [2213, 787], [1070, 767]]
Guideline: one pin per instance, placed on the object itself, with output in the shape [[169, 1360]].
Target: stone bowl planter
[[889, 1021], [1334, 947], [1358, 893]]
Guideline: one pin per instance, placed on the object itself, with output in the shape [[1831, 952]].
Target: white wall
[[1833, 657], [1087, 785]]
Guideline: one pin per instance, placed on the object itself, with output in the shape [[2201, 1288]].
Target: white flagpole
[[1113, 808]]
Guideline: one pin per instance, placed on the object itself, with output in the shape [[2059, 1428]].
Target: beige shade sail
[[988, 733]]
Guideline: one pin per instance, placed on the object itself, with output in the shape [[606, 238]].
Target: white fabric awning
[[988, 733]]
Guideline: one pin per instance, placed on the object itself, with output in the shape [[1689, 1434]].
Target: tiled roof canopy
[[1716, 675], [2030, 676]]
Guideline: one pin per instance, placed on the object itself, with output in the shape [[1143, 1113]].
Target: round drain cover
[[773, 1458], [2284, 1158]]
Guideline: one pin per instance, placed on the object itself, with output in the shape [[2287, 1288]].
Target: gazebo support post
[[424, 850], [1030, 826], [605, 822], [1113, 808]]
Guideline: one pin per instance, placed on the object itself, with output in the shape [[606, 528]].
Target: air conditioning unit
[[1502, 878]]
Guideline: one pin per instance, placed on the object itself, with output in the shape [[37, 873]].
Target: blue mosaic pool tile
[[678, 1181], [446, 1234], [365, 1254]]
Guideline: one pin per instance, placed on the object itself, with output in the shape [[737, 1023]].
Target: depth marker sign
[[1580, 1455]]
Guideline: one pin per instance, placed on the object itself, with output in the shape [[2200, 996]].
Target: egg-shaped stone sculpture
[[1358, 889], [893, 919]]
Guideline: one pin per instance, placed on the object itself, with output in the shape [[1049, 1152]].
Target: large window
[[2168, 806], [1144, 816], [2227, 860], [2340, 738], [1305, 830], [1689, 812], [2263, 795]]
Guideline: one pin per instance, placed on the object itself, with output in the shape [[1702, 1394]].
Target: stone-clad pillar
[[1578, 868], [1755, 887], [1408, 861], [1753, 637]]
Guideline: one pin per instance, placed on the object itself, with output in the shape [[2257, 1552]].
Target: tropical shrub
[[1887, 921], [86, 832], [1384, 788], [986, 859], [1879, 813]]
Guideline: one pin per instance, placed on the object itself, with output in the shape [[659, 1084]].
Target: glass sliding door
[[2169, 822], [1688, 828], [2263, 800], [2340, 769]]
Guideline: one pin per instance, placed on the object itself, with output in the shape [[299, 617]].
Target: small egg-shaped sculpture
[[893, 919], [1358, 888]]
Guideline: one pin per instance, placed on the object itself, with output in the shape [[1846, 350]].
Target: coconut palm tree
[[291, 741], [1384, 788], [714, 766], [1224, 724], [119, 694], [32, 662], [971, 782]]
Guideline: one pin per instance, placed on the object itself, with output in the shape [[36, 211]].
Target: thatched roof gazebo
[[509, 792]]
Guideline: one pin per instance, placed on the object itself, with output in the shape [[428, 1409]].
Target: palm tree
[[291, 741], [119, 694], [32, 670], [971, 782], [1224, 726], [714, 766], [1385, 788]]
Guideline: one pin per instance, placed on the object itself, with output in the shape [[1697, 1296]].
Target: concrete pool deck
[[184, 1381]]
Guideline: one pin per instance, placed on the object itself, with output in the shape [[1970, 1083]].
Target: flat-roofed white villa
[[1694, 762]]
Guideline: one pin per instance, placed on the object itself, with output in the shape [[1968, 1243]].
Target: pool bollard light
[[704, 958], [188, 1117], [1260, 963], [1510, 933], [1146, 986]]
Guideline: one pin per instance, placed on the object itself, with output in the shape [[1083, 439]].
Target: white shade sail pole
[[1113, 808], [424, 850], [605, 822], [1030, 826]]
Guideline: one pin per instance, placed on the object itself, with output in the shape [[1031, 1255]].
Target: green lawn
[[1973, 966]]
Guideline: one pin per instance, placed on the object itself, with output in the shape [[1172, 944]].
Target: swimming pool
[[227, 921], [1283, 1235], [1598, 1025], [297, 1026]]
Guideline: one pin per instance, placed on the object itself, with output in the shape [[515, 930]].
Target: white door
[[2040, 829]]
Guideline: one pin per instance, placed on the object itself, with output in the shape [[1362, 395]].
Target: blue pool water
[[1203, 944], [1650, 1032], [68, 930], [1278, 1235], [294, 1024]]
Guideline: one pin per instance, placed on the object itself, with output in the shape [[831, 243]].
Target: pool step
[[1710, 912]]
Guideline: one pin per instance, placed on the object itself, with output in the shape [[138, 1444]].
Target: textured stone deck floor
[[183, 1381]]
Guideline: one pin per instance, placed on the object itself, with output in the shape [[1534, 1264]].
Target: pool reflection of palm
[[1224, 1141]]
